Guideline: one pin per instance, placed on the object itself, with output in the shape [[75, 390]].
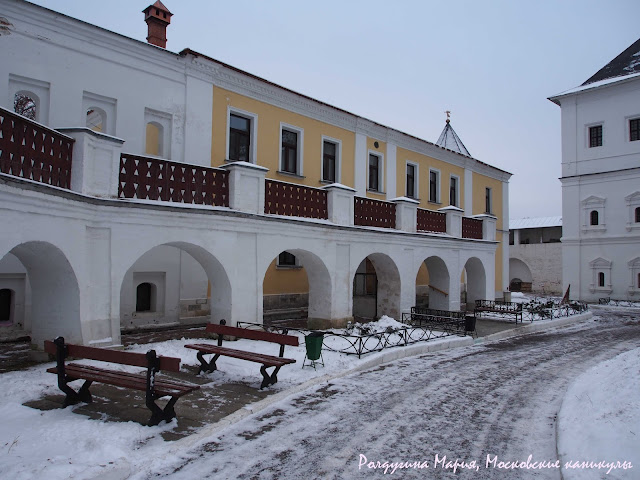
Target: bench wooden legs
[[268, 379], [207, 366]]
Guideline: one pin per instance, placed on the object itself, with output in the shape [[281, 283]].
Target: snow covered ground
[[58, 444]]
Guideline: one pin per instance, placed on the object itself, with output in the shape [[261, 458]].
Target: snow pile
[[600, 419]]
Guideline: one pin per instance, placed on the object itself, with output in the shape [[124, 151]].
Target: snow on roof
[[449, 139], [627, 63], [591, 86], [538, 222]]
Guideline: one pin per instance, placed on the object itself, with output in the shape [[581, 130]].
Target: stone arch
[[439, 282], [55, 293], [318, 278], [520, 276], [388, 291], [165, 266], [476, 279]]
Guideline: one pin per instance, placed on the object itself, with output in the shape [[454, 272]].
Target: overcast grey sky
[[403, 63]]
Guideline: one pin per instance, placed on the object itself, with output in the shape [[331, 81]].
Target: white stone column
[[246, 186], [95, 166], [454, 220], [406, 214], [340, 203], [488, 226]]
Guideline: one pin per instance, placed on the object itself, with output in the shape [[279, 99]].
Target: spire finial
[[448, 112]]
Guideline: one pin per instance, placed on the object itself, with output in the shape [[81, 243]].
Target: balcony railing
[[156, 179], [32, 151], [471, 228], [290, 199], [430, 221], [374, 213]]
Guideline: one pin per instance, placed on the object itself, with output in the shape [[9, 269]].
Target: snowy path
[[493, 399]]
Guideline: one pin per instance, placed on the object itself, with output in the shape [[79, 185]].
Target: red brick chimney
[[157, 17]]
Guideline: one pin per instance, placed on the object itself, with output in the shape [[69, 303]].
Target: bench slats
[[253, 334], [244, 355], [114, 356], [135, 381]]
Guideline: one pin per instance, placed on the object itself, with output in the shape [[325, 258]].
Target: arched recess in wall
[[27, 104], [376, 288], [433, 284], [174, 283], [55, 294], [96, 119], [476, 282], [154, 139], [298, 283], [520, 277]]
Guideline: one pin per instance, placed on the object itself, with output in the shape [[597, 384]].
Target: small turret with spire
[[449, 138]]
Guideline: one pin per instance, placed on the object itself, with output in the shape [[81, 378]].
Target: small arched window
[[637, 214], [5, 304], [96, 119], [26, 104], [153, 143], [144, 293], [594, 217], [601, 279]]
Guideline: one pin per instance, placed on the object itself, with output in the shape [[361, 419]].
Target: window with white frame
[[375, 178], [242, 130], [633, 211], [593, 214], [600, 276], [488, 200], [634, 129], [331, 153], [595, 136], [634, 272], [412, 180], [158, 133], [454, 191], [291, 139], [434, 186], [100, 112], [30, 97]]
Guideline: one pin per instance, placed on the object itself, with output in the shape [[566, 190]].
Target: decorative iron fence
[[430, 221], [363, 342], [537, 310], [471, 228], [619, 303], [290, 199], [148, 178], [32, 151], [368, 212]]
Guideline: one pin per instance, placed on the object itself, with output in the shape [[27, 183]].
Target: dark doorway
[[5, 305], [143, 297]]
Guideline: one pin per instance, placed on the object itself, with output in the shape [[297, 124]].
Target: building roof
[[537, 222], [627, 63], [449, 139]]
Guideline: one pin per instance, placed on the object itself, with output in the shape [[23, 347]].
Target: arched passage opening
[[475, 282], [52, 287], [296, 289], [520, 277], [376, 289], [174, 284], [433, 284]]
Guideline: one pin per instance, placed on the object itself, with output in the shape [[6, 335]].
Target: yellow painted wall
[[285, 280], [423, 275], [269, 119], [152, 139], [424, 164]]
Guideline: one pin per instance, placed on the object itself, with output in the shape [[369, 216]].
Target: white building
[[601, 181], [535, 255], [156, 186]]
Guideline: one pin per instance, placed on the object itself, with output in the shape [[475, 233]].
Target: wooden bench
[[267, 361], [499, 307], [153, 387]]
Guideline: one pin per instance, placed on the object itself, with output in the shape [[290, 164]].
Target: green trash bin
[[313, 342]]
